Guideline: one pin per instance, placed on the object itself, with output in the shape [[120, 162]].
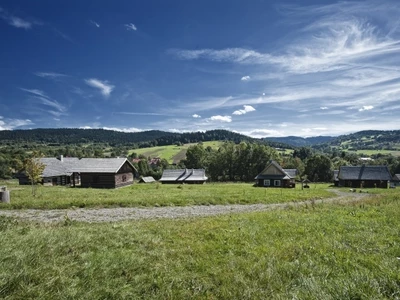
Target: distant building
[[195, 176], [396, 180], [364, 176], [275, 176], [147, 179]]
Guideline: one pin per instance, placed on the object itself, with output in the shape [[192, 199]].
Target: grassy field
[[172, 153], [375, 152], [155, 195], [326, 252]]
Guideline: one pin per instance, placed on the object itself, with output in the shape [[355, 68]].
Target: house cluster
[[118, 172]]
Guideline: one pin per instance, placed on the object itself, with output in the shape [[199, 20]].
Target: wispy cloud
[[138, 113], [56, 108], [131, 129], [130, 27], [196, 116], [220, 118], [245, 78], [245, 110], [14, 20], [104, 87], [50, 75], [94, 23]]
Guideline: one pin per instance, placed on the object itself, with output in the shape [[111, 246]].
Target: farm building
[[364, 176], [88, 172], [147, 179], [275, 176], [195, 176], [105, 172], [56, 171]]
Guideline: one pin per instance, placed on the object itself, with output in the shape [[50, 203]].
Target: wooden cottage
[[57, 171], [105, 172], [364, 176], [194, 176], [275, 176]]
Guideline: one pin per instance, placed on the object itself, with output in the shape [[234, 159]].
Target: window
[[277, 183], [123, 178], [266, 182]]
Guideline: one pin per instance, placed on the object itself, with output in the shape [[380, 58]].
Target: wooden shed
[[105, 172]]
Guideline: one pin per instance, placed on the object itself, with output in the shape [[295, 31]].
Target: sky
[[260, 68]]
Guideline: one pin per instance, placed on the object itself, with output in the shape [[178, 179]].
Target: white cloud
[[130, 27], [227, 119], [323, 107], [131, 129], [245, 78], [245, 110], [104, 87], [46, 100], [10, 124], [196, 116], [366, 107], [95, 23]]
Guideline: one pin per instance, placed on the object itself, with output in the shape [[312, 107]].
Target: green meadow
[[148, 195], [327, 251], [172, 153]]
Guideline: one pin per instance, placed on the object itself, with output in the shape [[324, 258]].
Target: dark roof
[[147, 179], [364, 173], [396, 177], [100, 165], [182, 175], [282, 173]]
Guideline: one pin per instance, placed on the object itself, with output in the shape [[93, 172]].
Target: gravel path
[[95, 215]]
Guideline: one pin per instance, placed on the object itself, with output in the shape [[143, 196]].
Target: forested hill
[[298, 141], [66, 136]]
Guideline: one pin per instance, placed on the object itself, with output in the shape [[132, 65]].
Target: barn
[[364, 176], [105, 172]]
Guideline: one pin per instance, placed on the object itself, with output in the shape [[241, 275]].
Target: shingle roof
[[364, 173], [182, 175], [55, 167], [100, 165], [67, 165], [291, 172]]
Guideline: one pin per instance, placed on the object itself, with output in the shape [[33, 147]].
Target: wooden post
[[4, 195]]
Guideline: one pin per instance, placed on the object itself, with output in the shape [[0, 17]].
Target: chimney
[[61, 158]]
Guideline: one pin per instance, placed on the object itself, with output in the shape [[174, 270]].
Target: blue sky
[[261, 68]]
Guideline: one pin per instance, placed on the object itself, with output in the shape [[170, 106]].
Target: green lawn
[[325, 252], [156, 195], [172, 153], [374, 152]]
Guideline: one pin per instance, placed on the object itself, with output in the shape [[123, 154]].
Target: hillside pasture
[[330, 251], [153, 195], [172, 153], [367, 152]]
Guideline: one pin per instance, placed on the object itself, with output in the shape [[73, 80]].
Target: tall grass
[[326, 252], [157, 195]]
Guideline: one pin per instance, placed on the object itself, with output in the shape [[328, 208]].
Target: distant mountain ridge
[[297, 141]]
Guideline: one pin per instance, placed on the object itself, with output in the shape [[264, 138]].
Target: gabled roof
[[182, 175], [364, 173], [58, 167], [147, 179], [274, 171], [100, 165]]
